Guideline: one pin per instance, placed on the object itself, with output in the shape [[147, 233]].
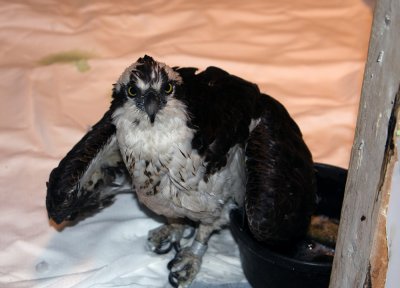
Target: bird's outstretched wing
[[280, 192], [89, 176]]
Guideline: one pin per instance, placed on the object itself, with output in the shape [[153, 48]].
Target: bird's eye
[[132, 91], [169, 89]]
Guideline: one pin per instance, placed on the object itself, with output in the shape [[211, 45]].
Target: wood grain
[[362, 202]]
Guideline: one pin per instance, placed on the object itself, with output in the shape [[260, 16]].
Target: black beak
[[151, 105]]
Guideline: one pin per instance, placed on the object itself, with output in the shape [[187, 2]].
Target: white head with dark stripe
[[147, 84]]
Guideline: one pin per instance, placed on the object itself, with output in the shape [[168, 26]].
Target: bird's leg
[[186, 264], [163, 238]]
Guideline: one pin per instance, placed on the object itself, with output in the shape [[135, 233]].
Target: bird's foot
[[163, 238], [186, 264]]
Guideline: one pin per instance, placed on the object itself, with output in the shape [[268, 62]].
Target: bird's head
[[146, 87]]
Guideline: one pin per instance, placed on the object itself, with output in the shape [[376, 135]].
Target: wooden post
[[370, 154]]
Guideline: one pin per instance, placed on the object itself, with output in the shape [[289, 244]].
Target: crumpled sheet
[[59, 61]]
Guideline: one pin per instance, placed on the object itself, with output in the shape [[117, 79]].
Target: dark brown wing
[[280, 192], [89, 176]]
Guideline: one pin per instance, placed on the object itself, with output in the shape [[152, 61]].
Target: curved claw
[[177, 246], [160, 240], [184, 268], [166, 247], [170, 264], [163, 249], [176, 279], [172, 279]]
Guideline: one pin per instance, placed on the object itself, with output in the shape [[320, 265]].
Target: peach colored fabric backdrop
[[58, 62]]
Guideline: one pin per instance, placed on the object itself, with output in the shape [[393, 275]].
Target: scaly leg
[[187, 262]]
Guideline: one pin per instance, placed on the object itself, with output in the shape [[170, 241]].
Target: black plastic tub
[[265, 268]]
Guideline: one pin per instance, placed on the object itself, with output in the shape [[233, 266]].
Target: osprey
[[193, 146]]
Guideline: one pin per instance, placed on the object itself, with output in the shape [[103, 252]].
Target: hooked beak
[[151, 105]]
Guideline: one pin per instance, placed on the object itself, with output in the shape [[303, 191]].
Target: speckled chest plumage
[[167, 174]]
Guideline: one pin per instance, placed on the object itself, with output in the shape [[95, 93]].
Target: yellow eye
[[169, 89], [132, 91]]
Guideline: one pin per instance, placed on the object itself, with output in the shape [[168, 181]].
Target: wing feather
[[280, 191], [90, 174]]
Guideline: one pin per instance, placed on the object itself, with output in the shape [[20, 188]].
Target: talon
[[177, 246], [171, 264], [161, 247], [161, 250], [161, 239], [184, 267], [172, 278]]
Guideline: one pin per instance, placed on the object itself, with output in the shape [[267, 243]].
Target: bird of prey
[[192, 146]]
